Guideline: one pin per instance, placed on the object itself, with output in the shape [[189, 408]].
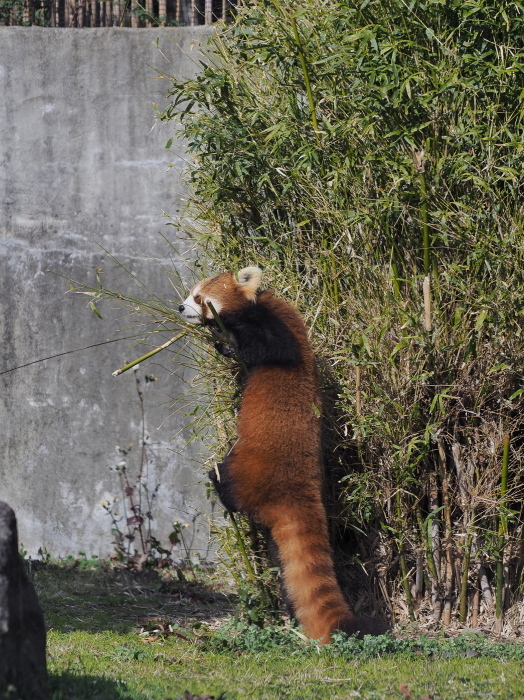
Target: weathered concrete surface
[[22, 628], [82, 164]]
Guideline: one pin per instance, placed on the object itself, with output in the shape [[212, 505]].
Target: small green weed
[[255, 640], [126, 652]]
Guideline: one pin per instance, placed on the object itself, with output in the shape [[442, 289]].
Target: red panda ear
[[249, 279]]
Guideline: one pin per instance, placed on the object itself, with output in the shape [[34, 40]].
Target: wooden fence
[[113, 13]]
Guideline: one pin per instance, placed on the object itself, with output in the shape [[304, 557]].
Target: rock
[[22, 631]]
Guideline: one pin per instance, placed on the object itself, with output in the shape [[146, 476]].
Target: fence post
[[162, 11], [134, 16], [95, 13], [29, 12], [149, 8]]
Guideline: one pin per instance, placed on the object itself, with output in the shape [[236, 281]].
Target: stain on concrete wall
[[83, 167]]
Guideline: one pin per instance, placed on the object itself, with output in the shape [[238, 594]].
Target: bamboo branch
[[123, 369]]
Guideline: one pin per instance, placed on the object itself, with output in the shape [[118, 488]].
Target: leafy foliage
[[369, 157], [24, 13]]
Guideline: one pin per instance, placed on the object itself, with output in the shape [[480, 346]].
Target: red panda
[[273, 473]]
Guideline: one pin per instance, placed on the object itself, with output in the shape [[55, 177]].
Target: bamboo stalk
[[357, 391], [249, 567], [303, 63], [463, 608], [448, 540], [149, 354], [419, 574], [426, 288], [394, 276], [240, 540], [426, 541], [502, 532], [420, 168], [405, 582], [520, 565], [434, 546], [485, 588], [432, 582], [475, 608], [402, 560]]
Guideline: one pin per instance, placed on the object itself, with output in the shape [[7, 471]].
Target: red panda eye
[[197, 299]]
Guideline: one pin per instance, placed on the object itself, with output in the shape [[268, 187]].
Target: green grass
[[96, 650]]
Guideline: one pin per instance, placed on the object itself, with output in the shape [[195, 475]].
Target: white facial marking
[[216, 305], [192, 312]]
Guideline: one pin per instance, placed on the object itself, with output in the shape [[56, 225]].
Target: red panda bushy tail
[[309, 575]]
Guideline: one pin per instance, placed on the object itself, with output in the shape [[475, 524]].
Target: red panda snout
[[191, 311]]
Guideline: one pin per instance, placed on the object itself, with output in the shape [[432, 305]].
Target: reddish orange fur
[[276, 470]]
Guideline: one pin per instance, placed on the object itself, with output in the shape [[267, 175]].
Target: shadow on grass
[[71, 686], [101, 599]]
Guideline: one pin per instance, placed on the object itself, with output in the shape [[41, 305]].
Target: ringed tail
[[309, 573]]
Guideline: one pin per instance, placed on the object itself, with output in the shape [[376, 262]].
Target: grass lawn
[[109, 638]]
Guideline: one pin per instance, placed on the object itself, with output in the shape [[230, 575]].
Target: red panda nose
[[181, 308]]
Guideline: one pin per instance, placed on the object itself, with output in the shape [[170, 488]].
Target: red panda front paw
[[222, 488], [224, 348]]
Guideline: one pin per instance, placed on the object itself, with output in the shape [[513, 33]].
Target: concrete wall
[[83, 165]]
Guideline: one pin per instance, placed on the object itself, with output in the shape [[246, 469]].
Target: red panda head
[[226, 294]]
